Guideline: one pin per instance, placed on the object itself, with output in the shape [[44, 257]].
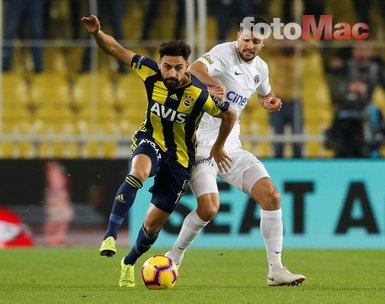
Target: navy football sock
[[143, 244], [123, 201]]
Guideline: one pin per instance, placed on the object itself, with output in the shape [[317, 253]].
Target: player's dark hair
[[175, 48]]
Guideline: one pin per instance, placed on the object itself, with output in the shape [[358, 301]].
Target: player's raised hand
[[272, 103], [219, 91], [91, 23], [222, 160]]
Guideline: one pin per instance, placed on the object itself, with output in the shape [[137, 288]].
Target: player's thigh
[[204, 178], [146, 159], [169, 186], [246, 170]]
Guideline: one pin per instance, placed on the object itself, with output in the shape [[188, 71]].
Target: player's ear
[[264, 41]]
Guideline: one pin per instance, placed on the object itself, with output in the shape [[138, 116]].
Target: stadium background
[[84, 121]]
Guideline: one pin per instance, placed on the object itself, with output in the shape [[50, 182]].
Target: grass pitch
[[78, 275]]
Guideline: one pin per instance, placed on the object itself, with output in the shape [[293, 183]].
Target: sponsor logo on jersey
[[168, 114], [153, 145], [238, 73], [237, 98], [208, 58], [220, 103], [139, 63], [210, 162]]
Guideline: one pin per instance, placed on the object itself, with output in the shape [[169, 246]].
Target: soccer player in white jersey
[[234, 71]]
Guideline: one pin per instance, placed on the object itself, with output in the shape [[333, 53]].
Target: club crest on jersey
[[257, 79], [168, 114], [187, 102]]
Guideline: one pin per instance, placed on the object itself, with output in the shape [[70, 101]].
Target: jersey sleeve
[[214, 106], [144, 66], [214, 62], [264, 88]]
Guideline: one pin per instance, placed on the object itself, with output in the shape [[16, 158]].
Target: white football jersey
[[241, 80]]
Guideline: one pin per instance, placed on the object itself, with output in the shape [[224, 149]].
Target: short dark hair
[[175, 48]]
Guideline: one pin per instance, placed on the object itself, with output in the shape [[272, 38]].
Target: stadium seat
[[54, 60], [54, 115], [133, 116], [130, 93], [15, 90], [15, 114], [8, 148], [100, 116], [55, 140], [17, 148], [92, 91], [91, 147], [110, 147], [50, 88]]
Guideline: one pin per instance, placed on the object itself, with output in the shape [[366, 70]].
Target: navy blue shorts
[[170, 180]]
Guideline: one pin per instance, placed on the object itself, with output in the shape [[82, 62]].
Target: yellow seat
[[54, 60], [15, 90], [54, 115], [8, 147], [130, 93], [91, 147], [100, 115], [111, 146], [50, 89], [13, 115], [55, 140], [92, 91], [17, 147]]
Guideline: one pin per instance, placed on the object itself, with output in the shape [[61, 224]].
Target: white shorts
[[246, 170]]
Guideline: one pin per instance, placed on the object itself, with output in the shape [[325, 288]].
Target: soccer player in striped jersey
[[234, 71], [164, 146]]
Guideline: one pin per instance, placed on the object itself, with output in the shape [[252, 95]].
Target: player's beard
[[248, 55], [171, 82]]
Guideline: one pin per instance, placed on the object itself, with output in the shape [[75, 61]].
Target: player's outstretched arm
[[106, 42], [215, 88], [217, 151]]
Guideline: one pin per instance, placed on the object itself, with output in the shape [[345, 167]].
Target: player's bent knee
[[207, 214], [208, 206], [270, 200]]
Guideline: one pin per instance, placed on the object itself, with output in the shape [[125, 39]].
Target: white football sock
[[272, 232], [191, 227]]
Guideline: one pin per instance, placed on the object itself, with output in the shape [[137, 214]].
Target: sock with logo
[[191, 227], [272, 232], [143, 243], [123, 201]]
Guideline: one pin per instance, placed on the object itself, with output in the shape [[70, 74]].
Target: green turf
[[212, 276]]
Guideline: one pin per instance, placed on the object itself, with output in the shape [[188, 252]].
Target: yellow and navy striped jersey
[[173, 115]]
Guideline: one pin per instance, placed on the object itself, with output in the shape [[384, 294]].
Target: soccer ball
[[159, 272]]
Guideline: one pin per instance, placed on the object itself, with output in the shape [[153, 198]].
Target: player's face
[[249, 45], [173, 69]]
